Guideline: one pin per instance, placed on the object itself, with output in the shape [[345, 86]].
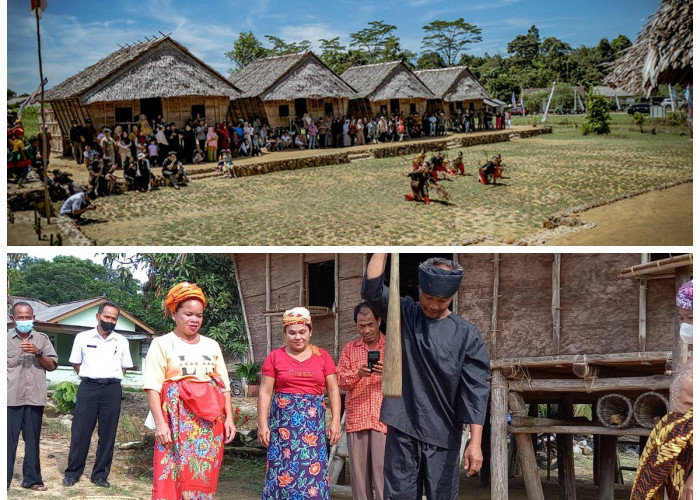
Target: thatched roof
[[456, 83], [156, 68], [391, 80], [662, 54], [288, 77]]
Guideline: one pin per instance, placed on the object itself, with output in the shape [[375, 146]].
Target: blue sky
[[77, 33]]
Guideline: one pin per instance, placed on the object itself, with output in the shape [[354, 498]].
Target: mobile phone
[[372, 359]]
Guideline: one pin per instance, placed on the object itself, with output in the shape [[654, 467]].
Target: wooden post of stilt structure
[[499, 436], [268, 302], [608, 462], [526, 452], [565, 456], [44, 139]]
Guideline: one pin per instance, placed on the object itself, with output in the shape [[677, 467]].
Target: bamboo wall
[[599, 312], [315, 108], [404, 106]]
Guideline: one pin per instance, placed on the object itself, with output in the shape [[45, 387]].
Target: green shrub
[[598, 114], [586, 128], [65, 394], [676, 118], [639, 120], [248, 371]]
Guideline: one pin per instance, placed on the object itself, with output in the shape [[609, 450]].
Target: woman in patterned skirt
[[291, 413], [188, 393]]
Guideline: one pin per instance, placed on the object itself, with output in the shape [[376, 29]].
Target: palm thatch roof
[[288, 77], [390, 80], [662, 54], [155, 68], [456, 83]]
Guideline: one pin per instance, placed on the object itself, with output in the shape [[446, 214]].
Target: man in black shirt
[[76, 133]]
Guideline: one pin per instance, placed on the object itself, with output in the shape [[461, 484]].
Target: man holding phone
[[360, 375]]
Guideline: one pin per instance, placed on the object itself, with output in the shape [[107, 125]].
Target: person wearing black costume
[[445, 384]]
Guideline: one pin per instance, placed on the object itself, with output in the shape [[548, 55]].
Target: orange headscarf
[[181, 292], [296, 316]]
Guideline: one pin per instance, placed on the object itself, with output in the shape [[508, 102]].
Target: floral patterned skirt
[[297, 460], [187, 468]]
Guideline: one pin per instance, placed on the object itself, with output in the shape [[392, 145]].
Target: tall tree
[[606, 51], [372, 40], [525, 47], [280, 47], [246, 49], [430, 60], [450, 38], [621, 42]]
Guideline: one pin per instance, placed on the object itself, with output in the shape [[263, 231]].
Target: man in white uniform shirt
[[100, 357]]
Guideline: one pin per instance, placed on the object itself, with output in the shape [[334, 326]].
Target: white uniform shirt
[[98, 357]]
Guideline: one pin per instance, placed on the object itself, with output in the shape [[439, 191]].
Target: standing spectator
[[189, 142], [400, 129], [162, 141], [124, 146], [359, 132], [88, 134], [313, 132], [508, 120], [291, 413], [212, 144], [337, 132], [224, 141], [433, 124], [100, 356], [76, 133], [107, 145], [382, 129], [322, 132], [201, 132], [363, 384], [30, 355], [171, 134], [153, 153]]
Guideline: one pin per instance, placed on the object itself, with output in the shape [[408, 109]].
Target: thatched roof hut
[[662, 54], [153, 77], [454, 88], [387, 87], [281, 87]]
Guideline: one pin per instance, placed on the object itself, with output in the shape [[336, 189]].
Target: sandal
[[38, 487]]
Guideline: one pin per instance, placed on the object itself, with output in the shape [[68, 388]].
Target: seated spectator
[[299, 141], [198, 156], [131, 174], [284, 141], [174, 171], [107, 180], [256, 145], [62, 182], [75, 206], [144, 177]]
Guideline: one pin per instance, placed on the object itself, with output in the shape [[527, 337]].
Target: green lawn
[[363, 203]]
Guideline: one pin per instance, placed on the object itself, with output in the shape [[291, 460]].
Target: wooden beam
[[680, 348], [657, 266], [565, 456], [649, 383], [580, 429], [336, 301], [642, 343], [608, 462], [494, 305], [566, 360], [499, 441], [302, 280], [455, 300], [556, 302], [268, 301], [526, 451]]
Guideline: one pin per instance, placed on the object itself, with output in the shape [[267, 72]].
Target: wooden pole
[[251, 355], [302, 280], [392, 374], [643, 308], [336, 320], [494, 305], [526, 452], [44, 139], [608, 462], [680, 348], [556, 302], [565, 456], [455, 300], [499, 441], [268, 306]]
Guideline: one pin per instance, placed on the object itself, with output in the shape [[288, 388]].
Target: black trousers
[[97, 403], [26, 419], [416, 467]]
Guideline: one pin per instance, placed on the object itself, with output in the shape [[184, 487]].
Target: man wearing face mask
[[100, 356], [29, 356]]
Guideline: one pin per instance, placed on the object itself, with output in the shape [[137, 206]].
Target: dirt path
[[639, 221]]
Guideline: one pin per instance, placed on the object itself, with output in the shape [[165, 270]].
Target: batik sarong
[[187, 468], [297, 460], [667, 459]]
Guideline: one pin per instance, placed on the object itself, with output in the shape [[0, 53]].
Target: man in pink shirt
[[363, 384]]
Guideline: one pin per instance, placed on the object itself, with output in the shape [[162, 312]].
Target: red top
[[299, 377]]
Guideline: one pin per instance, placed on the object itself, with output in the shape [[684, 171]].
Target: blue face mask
[[24, 326]]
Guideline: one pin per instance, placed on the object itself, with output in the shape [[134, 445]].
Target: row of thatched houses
[[161, 77]]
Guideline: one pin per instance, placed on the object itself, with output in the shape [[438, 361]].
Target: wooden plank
[[336, 319], [580, 429], [526, 452], [565, 455], [556, 302], [657, 266], [494, 305], [565, 360], [608, 462], [650, 383], [268, 301], [499, 441]]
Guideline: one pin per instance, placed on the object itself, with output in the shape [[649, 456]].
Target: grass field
[[363, 203]]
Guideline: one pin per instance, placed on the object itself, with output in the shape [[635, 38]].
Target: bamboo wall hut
[[662, 53], [454, 88], [560, 328], [282, 88], [385, 88], [154, 77]]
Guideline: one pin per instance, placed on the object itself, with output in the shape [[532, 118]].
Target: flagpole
[[47, 199]]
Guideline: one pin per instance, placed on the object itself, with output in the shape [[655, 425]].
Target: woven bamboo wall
[[404, 106]]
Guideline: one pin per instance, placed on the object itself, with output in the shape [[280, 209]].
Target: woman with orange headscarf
[[292, 413], [188, 393]]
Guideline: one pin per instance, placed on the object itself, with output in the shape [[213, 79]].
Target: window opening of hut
[[408, 267], [284, 110], [394, 106], [122, 115], [300, 107], [328, 109], [151, 107], [198, 111], [321, 289], [413, 108]]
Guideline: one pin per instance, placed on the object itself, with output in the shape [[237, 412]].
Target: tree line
[[531, 62]]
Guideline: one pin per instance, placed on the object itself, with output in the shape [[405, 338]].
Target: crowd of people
[[188, 393]]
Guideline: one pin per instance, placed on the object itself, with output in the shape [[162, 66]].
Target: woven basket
[[615, 411], [649, 408]]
